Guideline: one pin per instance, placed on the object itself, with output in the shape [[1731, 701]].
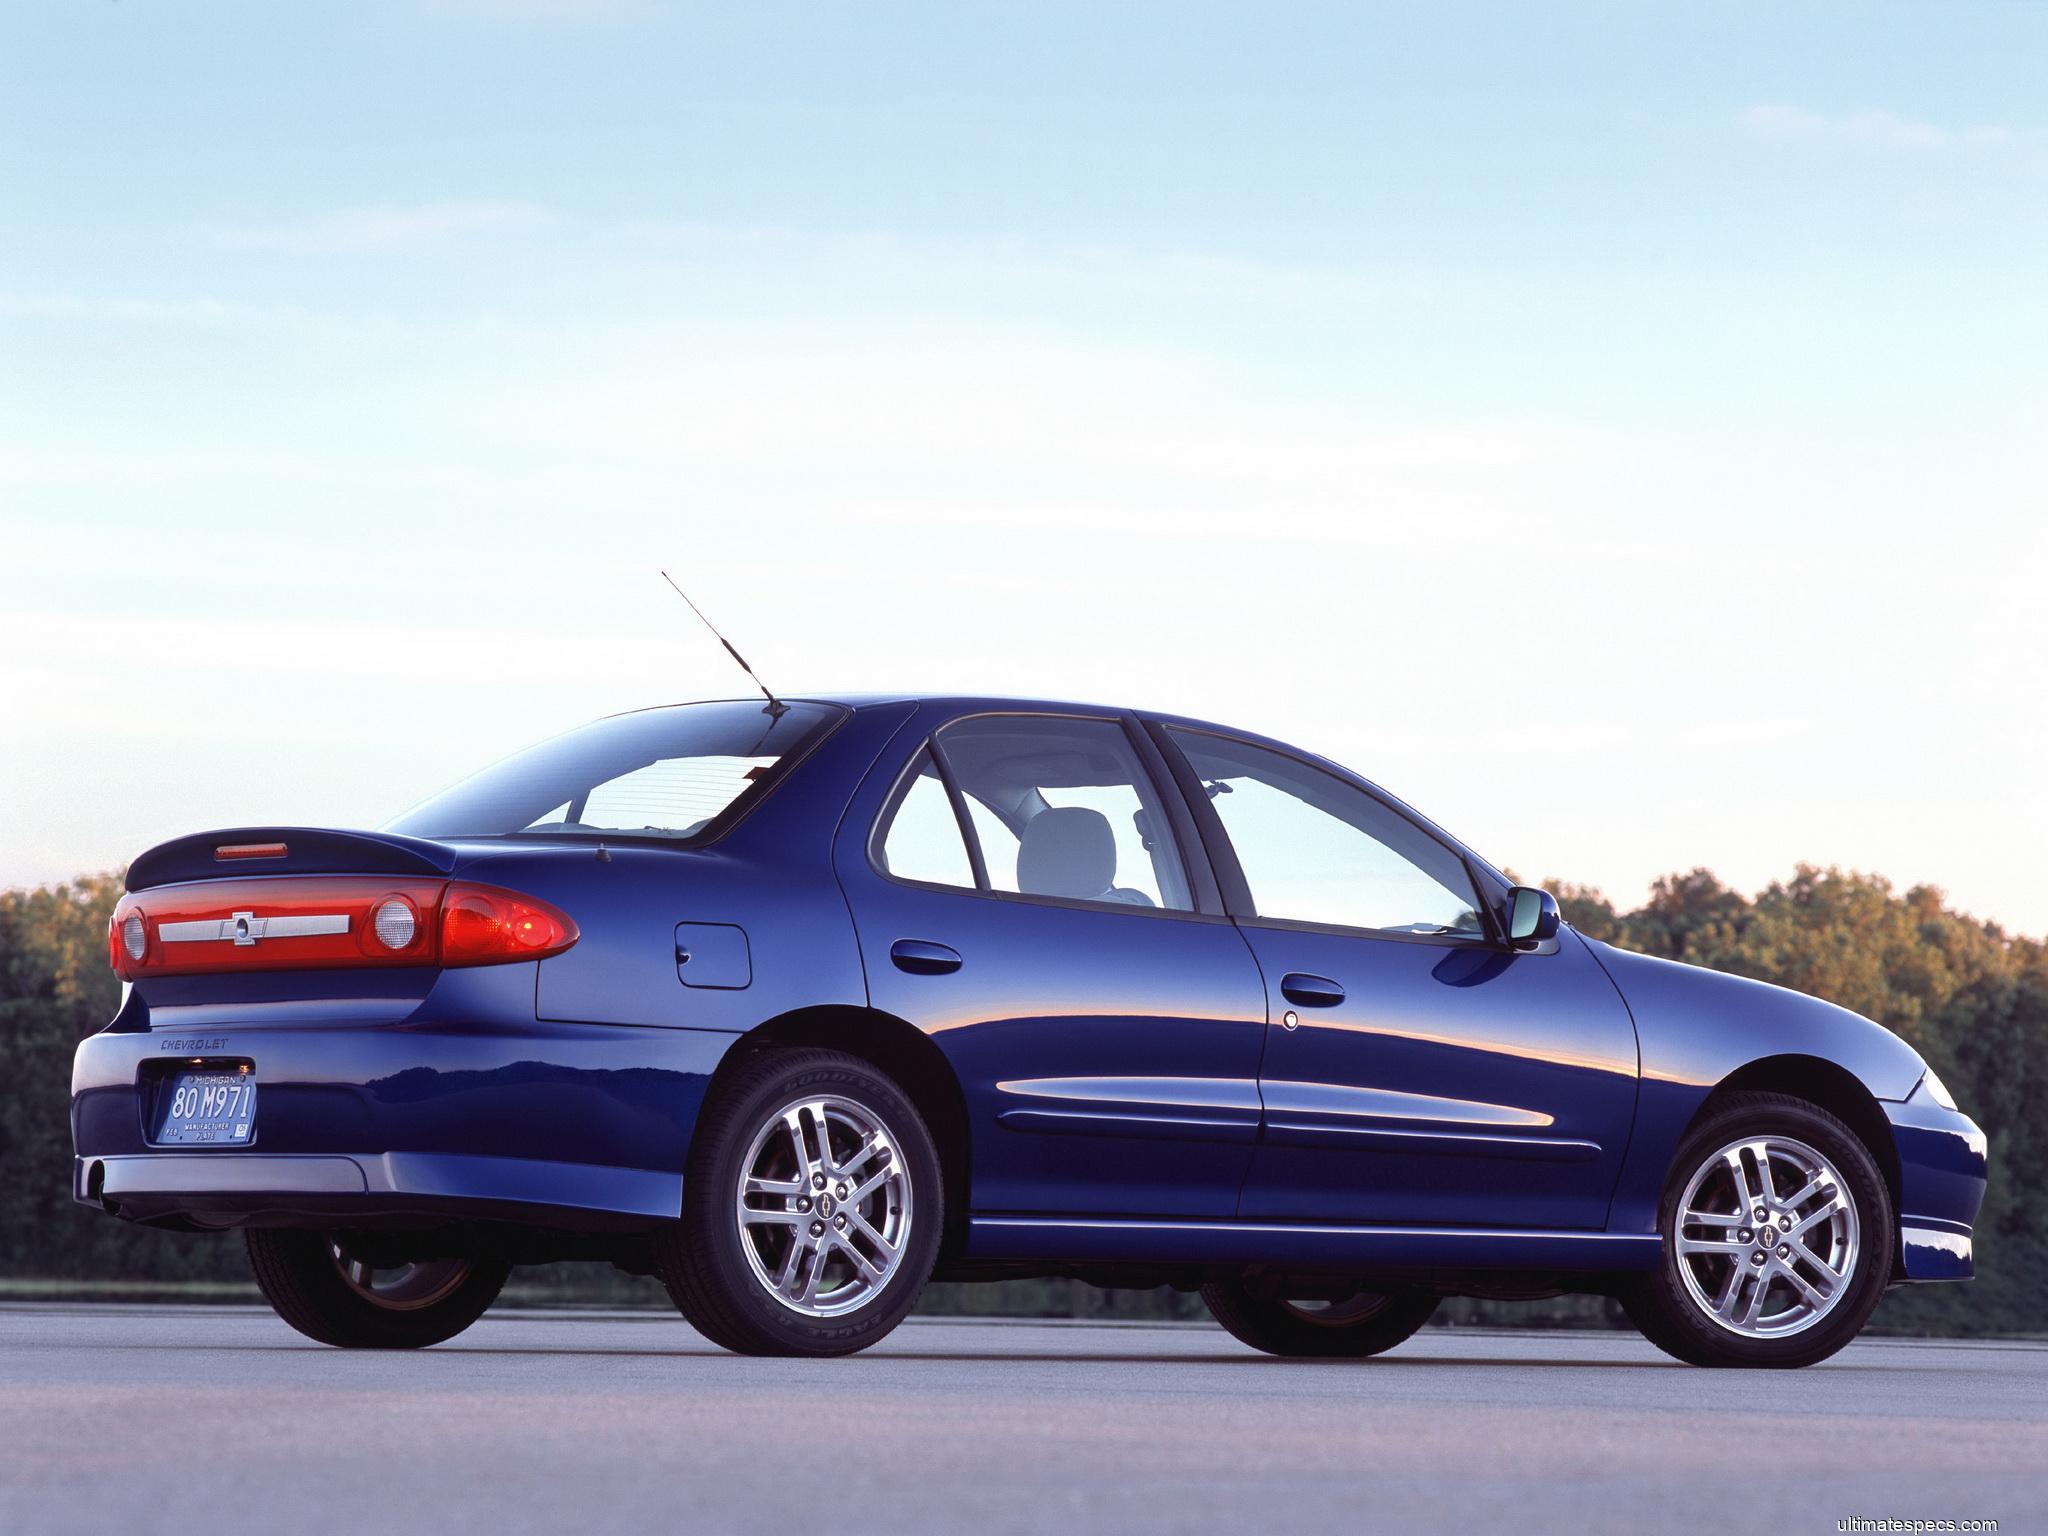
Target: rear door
[[1418, 1071], [1027, 895]]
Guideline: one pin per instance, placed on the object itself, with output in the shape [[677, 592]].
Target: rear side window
[[920, 837], [1058, 807], [664, 773]]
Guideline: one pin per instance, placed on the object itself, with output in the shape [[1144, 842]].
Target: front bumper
[[559, 1125], [1942, 1158]]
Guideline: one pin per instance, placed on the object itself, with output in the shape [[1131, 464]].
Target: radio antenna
[[776, 708]]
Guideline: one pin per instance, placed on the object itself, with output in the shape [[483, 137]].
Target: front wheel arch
[[1824, 1084]]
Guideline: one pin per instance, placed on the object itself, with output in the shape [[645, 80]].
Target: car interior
[[1063, 808]]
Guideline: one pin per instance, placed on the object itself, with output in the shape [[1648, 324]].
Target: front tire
[[812, 1209], [1778, 1238], [1364, 1323], [318, 1285]]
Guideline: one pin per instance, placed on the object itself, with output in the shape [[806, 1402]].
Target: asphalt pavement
[[220, 1420]]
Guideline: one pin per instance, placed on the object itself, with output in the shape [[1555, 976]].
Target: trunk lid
[[219, 910], [241, 853]]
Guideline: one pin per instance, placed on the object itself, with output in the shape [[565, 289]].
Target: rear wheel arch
[[898, 1048], [1823, 1083]]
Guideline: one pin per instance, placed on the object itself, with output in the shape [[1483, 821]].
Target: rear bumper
[[568, 1126], [1942, 1156], [236, 1188]]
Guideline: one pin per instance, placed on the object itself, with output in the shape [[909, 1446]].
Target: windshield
[[666, 773]]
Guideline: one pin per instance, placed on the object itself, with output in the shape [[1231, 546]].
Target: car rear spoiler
[[236, 853]]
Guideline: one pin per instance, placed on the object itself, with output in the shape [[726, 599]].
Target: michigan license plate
[[210, 1107]]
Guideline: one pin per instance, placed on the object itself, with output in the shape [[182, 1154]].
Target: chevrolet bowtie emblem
[[244, 928]]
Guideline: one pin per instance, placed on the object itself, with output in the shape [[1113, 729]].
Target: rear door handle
[[920, 957], [1308, 991]]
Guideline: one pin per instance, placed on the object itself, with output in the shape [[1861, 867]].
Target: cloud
[[97, 310], [928, 410], [1874, 130], [379, 227], [913, 418], [1140, 272], [588, 11], [874, 259]]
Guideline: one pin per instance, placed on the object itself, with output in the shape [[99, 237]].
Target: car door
[[1419, 1070], [1029, 896]]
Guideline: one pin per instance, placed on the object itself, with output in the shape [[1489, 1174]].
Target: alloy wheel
[[1766, 1237], [399, 1287], [1340, 1313], [824, 1205]]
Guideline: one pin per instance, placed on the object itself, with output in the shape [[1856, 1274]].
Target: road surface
[[220, 1420]]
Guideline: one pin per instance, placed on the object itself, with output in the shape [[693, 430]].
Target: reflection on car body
[[798, 1005]]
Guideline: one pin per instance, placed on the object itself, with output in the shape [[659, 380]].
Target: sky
[[1616, 429]]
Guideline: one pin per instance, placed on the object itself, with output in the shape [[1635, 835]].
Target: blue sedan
[[798, 1005]]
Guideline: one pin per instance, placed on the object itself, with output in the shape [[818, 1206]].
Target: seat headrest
[[1067, 850]]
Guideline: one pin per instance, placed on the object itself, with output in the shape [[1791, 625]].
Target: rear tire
[[1365, 1323], [1816, 1263], [812, 1209], [311, 1281]]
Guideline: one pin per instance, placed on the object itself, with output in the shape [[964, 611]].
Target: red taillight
[[482, 925], [292, 922], [250, 851]]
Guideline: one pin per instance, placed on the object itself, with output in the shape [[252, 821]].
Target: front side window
[[1315, 849], [666, 773], [1057, 807]]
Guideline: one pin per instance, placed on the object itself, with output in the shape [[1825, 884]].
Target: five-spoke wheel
[[332, 1287], [1778, 1238], [824, 1205], [1258, 1311], [812, 1207], [403, 1287], [1766, 1236]]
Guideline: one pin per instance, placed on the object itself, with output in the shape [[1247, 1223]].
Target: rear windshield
[[666, 773]]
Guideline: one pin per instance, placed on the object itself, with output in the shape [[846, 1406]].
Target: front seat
[[1070, 851]]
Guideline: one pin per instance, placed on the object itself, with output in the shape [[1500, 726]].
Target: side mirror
[[1532, 917]]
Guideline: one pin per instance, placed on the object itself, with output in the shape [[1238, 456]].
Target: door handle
[[1310, 991], [920, 957]]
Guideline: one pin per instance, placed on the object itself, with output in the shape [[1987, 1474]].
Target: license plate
[[211, 1107]]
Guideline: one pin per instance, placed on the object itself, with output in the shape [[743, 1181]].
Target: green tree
[[1970, 997], [55, 988]]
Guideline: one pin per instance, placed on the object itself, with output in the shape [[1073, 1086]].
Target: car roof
[[970, 703]]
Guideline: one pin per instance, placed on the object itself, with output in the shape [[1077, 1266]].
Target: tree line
[[1970, 997]]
